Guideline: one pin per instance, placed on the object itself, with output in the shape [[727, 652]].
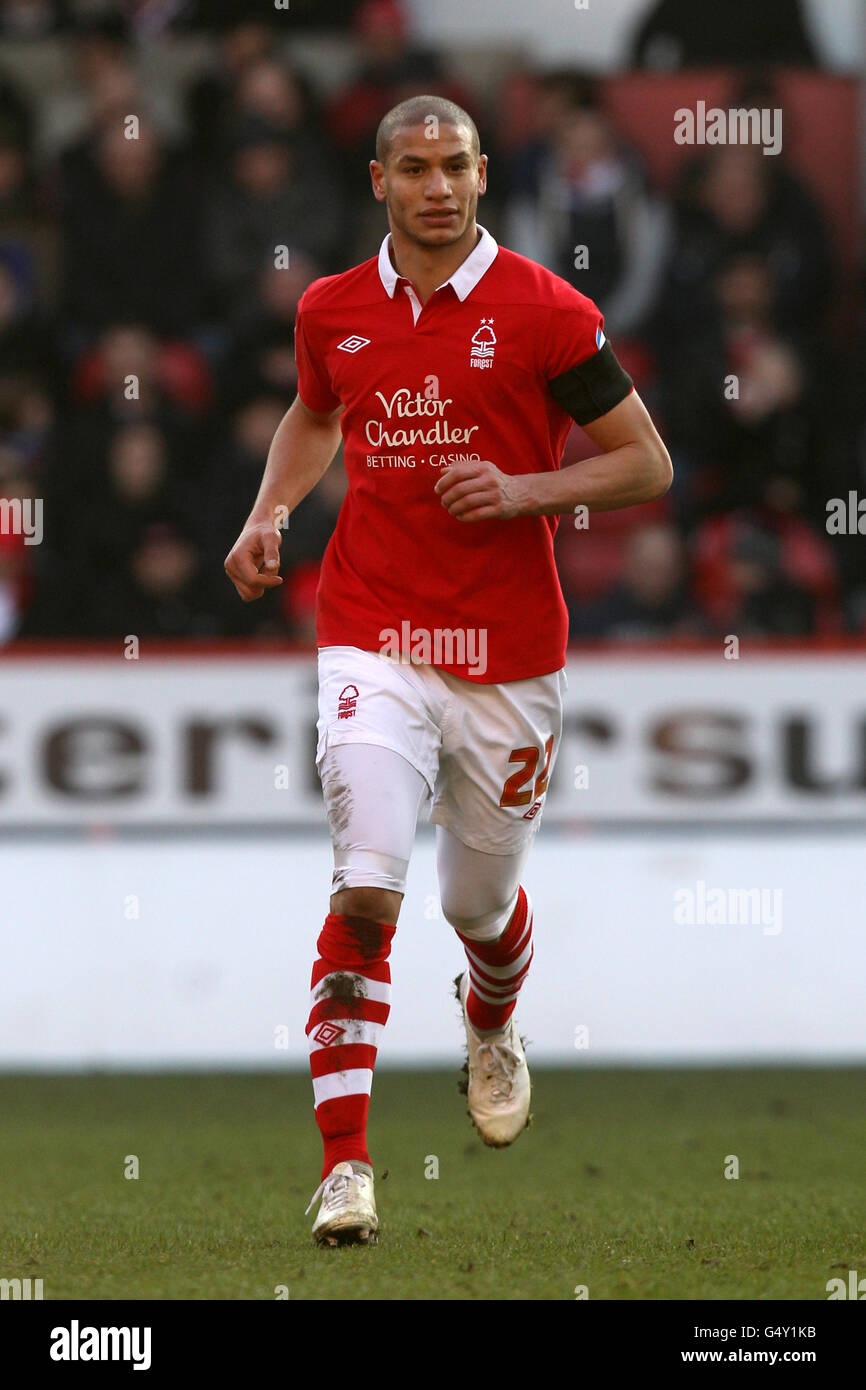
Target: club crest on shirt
[[483, 345]]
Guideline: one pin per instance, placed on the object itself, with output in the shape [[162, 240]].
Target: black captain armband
[[593, 387]]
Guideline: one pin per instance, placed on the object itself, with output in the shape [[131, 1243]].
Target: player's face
[[431, 186]]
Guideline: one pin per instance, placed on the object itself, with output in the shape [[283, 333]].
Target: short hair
[[415, 111]]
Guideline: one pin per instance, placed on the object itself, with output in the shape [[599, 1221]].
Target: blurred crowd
[[146, 337]]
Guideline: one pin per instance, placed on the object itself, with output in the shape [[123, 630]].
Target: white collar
[[465, 277]]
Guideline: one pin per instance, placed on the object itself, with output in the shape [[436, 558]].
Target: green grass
[[618, 1185]]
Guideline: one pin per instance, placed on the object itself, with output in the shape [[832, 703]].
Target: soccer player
[[454, 369]]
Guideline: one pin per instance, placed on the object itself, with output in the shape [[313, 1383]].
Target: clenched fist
[[253, 562], [480, 491]]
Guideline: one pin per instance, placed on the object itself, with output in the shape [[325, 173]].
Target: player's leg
[[501, 746], [484, 902], [373, 797], [371, 743]]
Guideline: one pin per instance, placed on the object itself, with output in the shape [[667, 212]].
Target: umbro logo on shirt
[[352, 344]]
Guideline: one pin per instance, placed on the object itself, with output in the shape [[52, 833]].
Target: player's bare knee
[[375, 905]]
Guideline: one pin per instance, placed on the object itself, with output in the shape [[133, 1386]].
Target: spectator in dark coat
[[131, 225]]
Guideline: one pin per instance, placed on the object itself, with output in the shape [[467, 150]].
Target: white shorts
[[486, 752]]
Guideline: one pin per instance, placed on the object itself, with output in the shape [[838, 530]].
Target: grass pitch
[[619, 1186]]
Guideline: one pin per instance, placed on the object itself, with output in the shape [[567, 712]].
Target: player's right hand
[[253, 562]]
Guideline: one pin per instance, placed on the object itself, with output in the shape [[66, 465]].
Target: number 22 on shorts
[[513, 793]]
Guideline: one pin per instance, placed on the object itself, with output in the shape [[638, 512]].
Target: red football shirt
[[465, 376]]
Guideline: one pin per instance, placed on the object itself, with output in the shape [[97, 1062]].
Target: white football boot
[[498, 1088], [347, 1215]]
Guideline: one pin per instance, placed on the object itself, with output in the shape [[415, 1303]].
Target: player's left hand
[[480, 491]]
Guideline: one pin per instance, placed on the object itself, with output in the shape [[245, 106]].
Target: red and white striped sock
[[350, 1003], [497, 969]]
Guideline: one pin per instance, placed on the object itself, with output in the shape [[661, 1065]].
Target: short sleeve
[[314, 384], [579, 364]]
